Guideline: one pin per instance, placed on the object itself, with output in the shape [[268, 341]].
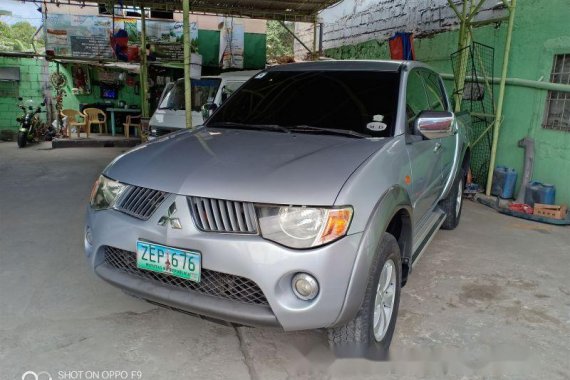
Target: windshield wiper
[[343, 132], [261, 127]]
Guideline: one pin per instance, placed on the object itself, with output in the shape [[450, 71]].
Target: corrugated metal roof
[[292, 10]]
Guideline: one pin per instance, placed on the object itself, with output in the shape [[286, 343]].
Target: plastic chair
[[71, 116], [130, 122], [93, 117]]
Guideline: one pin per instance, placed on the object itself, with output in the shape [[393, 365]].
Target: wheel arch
[[392, 214]]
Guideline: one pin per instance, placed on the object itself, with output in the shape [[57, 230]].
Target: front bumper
[[269, 265]]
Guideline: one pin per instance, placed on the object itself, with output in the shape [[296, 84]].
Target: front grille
[[216, 215], [140, 202], [216, 284]]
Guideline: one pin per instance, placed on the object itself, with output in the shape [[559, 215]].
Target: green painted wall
[[540, 31], [126, 93], [254, 49], [29, 88]]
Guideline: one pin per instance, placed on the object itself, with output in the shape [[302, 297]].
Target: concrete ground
[[488, 300]]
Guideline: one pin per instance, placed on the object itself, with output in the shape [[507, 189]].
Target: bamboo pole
[[539, 85], [187, 63], [500, 101], [144, 68]]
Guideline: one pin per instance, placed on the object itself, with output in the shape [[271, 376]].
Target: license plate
[[168, 260]]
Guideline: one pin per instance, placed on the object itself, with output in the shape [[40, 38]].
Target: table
[[112, 111]]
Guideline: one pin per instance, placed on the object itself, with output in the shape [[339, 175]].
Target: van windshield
[[203, 90], [359, 102]]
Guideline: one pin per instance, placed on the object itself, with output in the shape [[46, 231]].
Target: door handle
[[437, 147]]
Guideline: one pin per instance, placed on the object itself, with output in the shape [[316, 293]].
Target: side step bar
[[426, 234]]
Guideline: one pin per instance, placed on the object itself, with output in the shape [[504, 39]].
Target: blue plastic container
[[536, 192], [504, 180]]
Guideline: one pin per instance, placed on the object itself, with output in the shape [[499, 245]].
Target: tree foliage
[[279, 41], [18, 37]]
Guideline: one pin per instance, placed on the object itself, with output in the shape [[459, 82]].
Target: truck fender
[[394, 200]]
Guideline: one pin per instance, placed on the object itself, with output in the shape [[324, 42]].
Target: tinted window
[[202, 90], [347, 100], [416, 99], [434, 91], [229, 88]]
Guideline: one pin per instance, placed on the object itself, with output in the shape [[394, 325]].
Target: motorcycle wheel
[[22, 139]]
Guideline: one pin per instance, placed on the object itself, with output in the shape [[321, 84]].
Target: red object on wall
[[402, 46]]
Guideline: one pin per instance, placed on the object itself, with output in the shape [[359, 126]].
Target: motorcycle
[[30, 125]]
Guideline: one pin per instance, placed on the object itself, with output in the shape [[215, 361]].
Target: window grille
[[557, 115]]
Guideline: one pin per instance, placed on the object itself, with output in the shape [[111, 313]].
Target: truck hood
[[253, 166]]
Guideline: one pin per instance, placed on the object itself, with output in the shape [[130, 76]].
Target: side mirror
[[208, 109], [435, 124]]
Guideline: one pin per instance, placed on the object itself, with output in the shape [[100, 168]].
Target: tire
[[357, 337], [453, 204], [22, 139]]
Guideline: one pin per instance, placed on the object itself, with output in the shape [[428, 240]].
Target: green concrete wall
[[254, 49], [540, 31], [29, 88], [126, 93]]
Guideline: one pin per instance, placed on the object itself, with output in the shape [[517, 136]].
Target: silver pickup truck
[[303, 203]]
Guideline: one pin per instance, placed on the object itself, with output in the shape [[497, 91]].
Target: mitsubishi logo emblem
[[170, 219]]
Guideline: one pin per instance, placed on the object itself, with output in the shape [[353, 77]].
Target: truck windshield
[[364, 102], [203, 89]]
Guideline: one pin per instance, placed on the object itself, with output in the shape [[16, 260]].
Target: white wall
[[354, 21]]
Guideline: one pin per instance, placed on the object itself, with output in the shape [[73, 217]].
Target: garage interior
[[488, 300]]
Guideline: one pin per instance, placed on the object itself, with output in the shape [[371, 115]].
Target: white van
[[171, 115]]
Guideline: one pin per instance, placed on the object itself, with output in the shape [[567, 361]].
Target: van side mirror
[[435, 124], [208, 109]]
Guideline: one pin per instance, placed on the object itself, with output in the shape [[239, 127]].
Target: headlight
[[303, 227], [104, 193]]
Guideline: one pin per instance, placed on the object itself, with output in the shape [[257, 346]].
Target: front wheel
[[370, 333], [22, 139]]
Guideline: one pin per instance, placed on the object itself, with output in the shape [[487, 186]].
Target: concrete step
[[100, 142]]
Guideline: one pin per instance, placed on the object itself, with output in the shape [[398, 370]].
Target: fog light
[[305, 286], [88, 235]]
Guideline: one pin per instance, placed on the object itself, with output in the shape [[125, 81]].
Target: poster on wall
[[167, 40], [231, 43], [79, 36], [103, 37], [81, 80]]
